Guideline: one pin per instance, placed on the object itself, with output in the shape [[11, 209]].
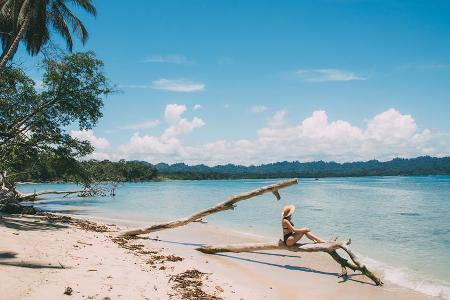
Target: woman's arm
[[291, 228], [287, 225]]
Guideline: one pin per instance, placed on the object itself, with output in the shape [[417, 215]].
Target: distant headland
[[423, 165]]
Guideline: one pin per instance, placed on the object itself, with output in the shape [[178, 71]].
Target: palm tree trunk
[[11, 50]]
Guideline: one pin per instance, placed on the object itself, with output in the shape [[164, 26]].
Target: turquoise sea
[[398, 225]]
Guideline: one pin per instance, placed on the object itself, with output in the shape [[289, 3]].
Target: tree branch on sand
[[226, 205], [328, 247], [8, 191], [33, 196]]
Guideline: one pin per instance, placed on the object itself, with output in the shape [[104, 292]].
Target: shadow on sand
[[297, 268], [288, 267], [27, 223], [7, 255], [30, 265]]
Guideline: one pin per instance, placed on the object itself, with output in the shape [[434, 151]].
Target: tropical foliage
[[49, 170], [34, 123], [33, 21]]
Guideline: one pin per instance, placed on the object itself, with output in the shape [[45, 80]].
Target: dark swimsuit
[[289, 234]]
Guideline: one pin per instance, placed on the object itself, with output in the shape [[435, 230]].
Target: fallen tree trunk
[[328, 247], [228, 204], [32, 196]]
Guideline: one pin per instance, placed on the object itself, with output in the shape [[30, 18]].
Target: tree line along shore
[[132, 171]]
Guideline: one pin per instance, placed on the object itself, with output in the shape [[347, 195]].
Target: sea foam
[[404, 277]]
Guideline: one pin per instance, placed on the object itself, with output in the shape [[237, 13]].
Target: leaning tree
[[33, 21], [34, 122]]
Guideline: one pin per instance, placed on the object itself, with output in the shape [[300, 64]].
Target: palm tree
[[30, 21]]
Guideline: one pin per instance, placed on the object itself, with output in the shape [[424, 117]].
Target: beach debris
[[173, 258], [154, 259], [91, 226], [83, 224], [138, 249], [327, 247], [144, 252], [189, 285], [52, 218], [226, 205], [68, 291]]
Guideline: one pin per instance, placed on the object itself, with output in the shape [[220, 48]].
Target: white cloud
[[385, 136], [197, 106], [168, 145], [143, 125], [179, 125], [256, 109], [178, 85], [169, 59], [321, 75], [173, 112], [88, 135]]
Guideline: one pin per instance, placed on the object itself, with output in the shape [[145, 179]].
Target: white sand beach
[[42, 258]]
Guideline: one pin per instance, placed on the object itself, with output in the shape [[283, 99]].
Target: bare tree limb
[[327, 247], [31, 196], [228, 204]]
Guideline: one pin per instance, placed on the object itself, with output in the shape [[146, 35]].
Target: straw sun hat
[[288, 210]]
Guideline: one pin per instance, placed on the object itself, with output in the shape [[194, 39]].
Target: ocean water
[[398, 225]]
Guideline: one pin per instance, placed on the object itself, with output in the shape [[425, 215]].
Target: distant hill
[[424, 165]]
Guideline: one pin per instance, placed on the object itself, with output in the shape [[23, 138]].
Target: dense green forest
[[93, 170], [424, 165], [122, 170]]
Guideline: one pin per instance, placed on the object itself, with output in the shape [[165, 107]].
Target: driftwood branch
[[328, 247], [228, 204], [33, 195], [96, 190]]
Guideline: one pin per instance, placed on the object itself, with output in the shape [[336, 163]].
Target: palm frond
[[61, 27], [76, 24], [86, 5]]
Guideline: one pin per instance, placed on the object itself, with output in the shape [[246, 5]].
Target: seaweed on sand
[[189, 284]]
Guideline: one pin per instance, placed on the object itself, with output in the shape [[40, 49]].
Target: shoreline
[[394, 276], [270, 275], [165, 179]]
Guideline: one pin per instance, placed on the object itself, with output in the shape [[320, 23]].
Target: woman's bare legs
[[314, 238], [299, 234]]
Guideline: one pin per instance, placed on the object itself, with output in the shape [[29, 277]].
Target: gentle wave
[[405, 278]]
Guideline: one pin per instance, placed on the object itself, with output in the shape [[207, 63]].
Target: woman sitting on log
[[292, 235]]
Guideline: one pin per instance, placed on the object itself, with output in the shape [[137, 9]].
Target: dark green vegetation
[[48, 170], [424, 165], [51, 170], [33, 22], [34, 123]]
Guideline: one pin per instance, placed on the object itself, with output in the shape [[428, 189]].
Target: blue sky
[[372, 78]]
